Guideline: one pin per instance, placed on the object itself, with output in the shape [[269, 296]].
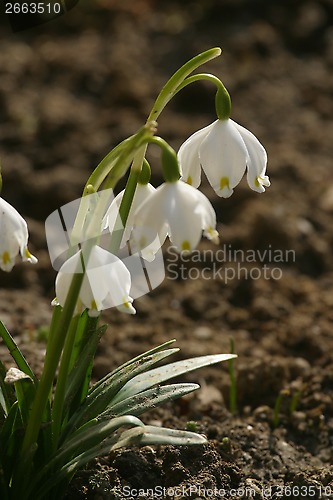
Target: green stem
[[222, 98], [171, 174], [101, 171], [113, 165], [53, 352], [127, 199], [124, 209], [58, 402], [170, 88], [170, 164], [120, 165], [109, 171]]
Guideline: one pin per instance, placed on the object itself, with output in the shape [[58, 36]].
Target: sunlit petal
[[13, 237], [106, 282], [111, 219], [257, 160], [223, 157], [188, 156]]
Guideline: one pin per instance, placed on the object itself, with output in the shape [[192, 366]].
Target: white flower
[[175, 209], [142, 192], [224, 149], [13, 237], [106, 282]]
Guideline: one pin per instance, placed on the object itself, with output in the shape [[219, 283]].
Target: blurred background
[[72, 88]]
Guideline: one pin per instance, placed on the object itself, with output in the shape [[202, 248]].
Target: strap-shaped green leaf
[[7, 396], [15, 352], [25, 393], [91, 435], [161, 374], [140, 435], [150, 435], [146, 400], [159, 348], [96, 402], [8, 438], [84, 442], [79, 377]]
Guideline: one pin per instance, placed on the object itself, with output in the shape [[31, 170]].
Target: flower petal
[[106, 283], [188, 157], [14, 237], [185, 228], [189, 212], [257, 160], [142, 192], [223, 157], [150, 224], [109, 280]]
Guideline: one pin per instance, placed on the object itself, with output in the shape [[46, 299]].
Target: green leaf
[[79, 377], [91, 435], [78, 343], [152, 435], [15, 352], [86, 442], [141, 435], [10, 440], [132, 361], [146, 400], [156, 376], [23, 472], [97, 401], [7, 395]]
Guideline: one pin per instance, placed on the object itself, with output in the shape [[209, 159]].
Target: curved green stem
[[170, 88], [222, 99], [114, 165], [170, 165]]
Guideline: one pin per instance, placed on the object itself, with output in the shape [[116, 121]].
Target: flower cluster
[[176, 209]]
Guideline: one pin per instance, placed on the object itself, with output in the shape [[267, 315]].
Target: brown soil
[[74, 87]]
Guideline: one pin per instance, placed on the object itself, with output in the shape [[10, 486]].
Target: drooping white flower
[[175, 209], [106, 282], [142, 192], [13, 237], [224, 149]]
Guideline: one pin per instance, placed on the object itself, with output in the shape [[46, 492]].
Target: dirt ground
[[73, 88]]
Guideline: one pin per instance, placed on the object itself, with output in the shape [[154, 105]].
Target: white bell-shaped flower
[[224, 149], [13, 237], [106, 282], [175, 209], [111, 220]]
